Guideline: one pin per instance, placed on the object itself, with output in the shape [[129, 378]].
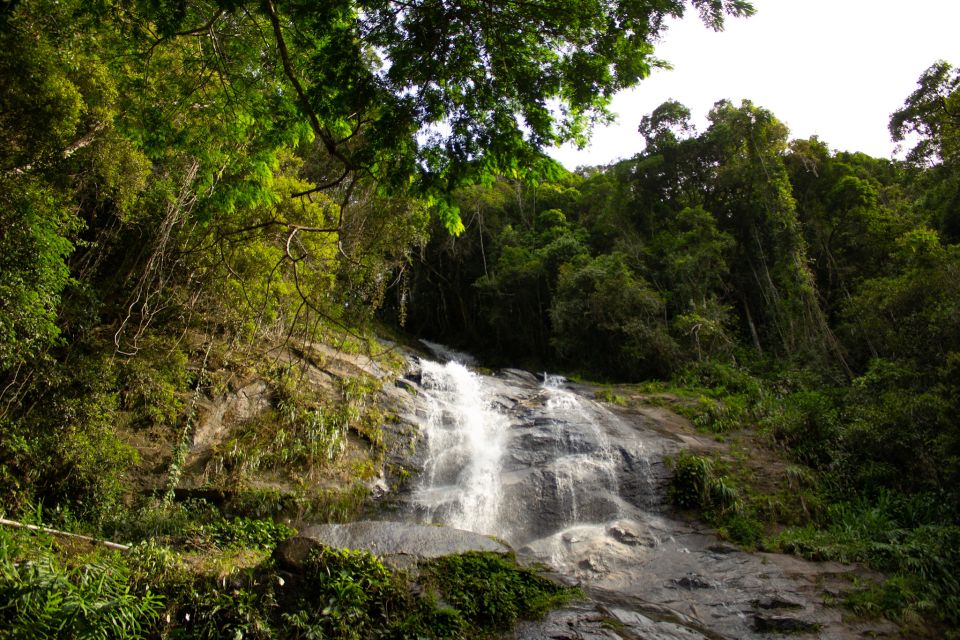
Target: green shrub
[[155, 519], [722, 379], [899, 433], [45, 598], [608, 319], [62, 447], [743, 529], [923, 559], [807, 425], [490, 590], [243, 532], [211, 612], [348, 594], [607, 395], [696, 485], [719, 416]]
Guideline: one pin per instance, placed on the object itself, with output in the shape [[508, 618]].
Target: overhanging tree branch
[[319, 130]]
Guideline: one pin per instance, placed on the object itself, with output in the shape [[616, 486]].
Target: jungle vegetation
[[184, 181]]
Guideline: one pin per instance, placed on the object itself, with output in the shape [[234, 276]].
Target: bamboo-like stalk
[[57, 532]]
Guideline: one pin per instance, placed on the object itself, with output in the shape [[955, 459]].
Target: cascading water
[[583, 451], [519, 466], [465, 439]]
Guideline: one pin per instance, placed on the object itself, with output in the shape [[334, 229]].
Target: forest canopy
[[738, 247], [215, 124]]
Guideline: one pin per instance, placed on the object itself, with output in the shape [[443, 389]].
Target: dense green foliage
[[46, 598], [350, 594], [694, 246], [185, 185], [835, 499], [249, 171], [490, 592], [153, 591]]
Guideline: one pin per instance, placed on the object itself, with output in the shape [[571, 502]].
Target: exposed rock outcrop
[[399, 544]]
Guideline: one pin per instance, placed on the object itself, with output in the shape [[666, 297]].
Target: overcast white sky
[[832, 68]]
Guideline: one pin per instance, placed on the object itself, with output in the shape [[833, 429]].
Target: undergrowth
[[45, 596], [231, 589], [899, 536], [490, 591], [826, 503]]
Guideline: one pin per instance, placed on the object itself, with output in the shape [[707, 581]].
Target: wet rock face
[[630, 536], [561, 459], [580, 621], [556, 476], [764, 623], [618, 618]]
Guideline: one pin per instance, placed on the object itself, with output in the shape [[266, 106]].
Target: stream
[[570, 483]]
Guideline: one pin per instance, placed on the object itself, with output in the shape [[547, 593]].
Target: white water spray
[[569, 482], [466, 439]]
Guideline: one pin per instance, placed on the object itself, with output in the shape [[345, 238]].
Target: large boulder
[[398, 544]]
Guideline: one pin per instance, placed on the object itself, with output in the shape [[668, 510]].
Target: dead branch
[[64, 534]]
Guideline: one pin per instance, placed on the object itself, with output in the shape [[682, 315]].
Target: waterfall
[[576, 485], [516, 460], [466, 440]]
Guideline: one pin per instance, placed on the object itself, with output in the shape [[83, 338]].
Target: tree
[[33, 247], [56, 109], [442, 92], [168, 124], [608, 320], [931, 115], [752, 197], [664, 127], [852, 208]]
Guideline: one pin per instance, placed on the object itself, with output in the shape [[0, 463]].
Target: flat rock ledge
[[398, 544]]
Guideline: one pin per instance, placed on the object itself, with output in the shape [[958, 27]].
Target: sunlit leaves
[[168, 123], [492, 82]]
